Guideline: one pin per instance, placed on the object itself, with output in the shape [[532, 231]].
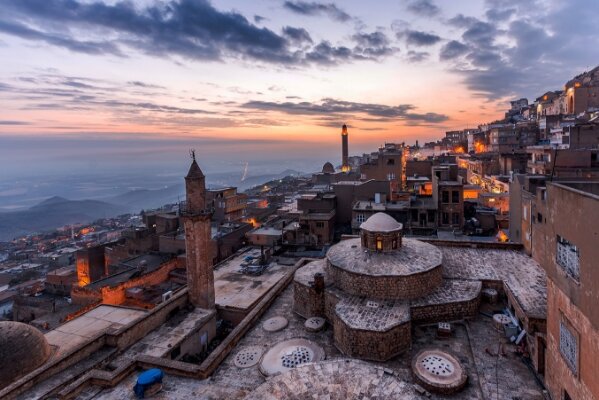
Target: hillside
[[53, 213]]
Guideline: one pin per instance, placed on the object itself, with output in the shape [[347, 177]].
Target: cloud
[[417, 56], [425, 8], [189, 29], [259, 19], [334, 108], [418, 38], [297, 35], [499, 14], [523, 48], [88, 47], [452, 50], [145, 85], [372, 45], [9, 122], [314, 8]]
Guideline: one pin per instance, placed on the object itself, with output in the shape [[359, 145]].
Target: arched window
[[394, 244], [379, 243]]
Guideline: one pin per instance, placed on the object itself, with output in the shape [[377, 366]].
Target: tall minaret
[[196, 219], [344, 149]]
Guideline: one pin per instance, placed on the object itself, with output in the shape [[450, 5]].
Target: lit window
[[568, 346], [379, 244], [567, 256]]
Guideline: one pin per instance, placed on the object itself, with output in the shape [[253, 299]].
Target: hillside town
[[471, 256]]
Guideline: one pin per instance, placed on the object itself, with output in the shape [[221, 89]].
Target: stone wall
[[116, 295], [331, 298], [387, 287], [445, 312], [582, 384], [371, 345], [389, 241], [307, 302]]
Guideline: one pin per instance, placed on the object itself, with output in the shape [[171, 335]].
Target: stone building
[[582, 92], [509, 138], [388, 164], [347, 193], [196, 214], [448, 195], [372, 288], [228, 205], [565, 237]]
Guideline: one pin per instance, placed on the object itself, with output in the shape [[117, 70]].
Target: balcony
[[184, 211]]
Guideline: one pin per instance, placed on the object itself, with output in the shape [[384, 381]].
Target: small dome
[[328, 168], [381, 222], [23, 348]]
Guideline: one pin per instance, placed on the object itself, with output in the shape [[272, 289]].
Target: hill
[[53, 213]]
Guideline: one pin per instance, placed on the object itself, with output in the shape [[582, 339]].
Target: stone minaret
[[344, 149], [196, 219]]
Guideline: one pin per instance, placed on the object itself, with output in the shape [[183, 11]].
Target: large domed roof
[[328, 168], [22, 349], [381, 222]]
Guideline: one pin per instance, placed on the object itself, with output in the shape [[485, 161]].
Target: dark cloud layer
[[334, 107], [425, 8], [191, 29], [523, 48], [314, 8], [419, 38]]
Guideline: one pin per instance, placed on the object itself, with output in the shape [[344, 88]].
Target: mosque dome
[[23, 348], [381, 222], [328, 168]]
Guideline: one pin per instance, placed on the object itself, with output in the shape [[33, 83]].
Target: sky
[[104, 84]]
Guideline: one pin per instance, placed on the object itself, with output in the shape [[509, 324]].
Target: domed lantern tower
[[381, 233]]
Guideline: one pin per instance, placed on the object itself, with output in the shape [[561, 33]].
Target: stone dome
[[381, 233], [381, 222], [328, 168], [23, 348]]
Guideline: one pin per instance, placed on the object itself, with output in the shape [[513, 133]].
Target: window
[[379, 243], [394, 244], [455, 218], [455, 196], [360, 218], [320, 224], [391, 161], [540, 217], [568, 346], [568, 257], [445, 218], [445, 196]]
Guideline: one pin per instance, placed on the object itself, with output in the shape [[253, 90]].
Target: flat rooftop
[[88, 325], [491, 377], [237, 290], [524, 276]]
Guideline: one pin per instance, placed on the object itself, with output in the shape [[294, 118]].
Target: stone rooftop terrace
[[413, 257], [89, 325], [241, 291], [373, 315], [524, 276], [489, 377]]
